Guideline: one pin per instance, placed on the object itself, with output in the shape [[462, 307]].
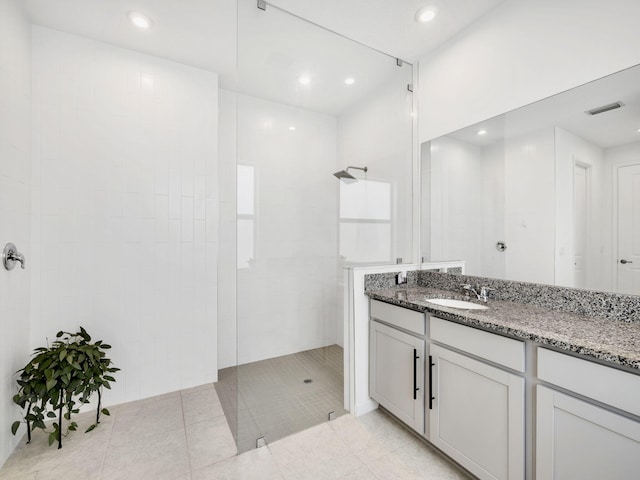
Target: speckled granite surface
[[572, 300], [603, 339], [376, 281]]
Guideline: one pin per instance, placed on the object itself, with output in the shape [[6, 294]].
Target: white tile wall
[[455, 189], [377, 133], [288, 299], [227, 324], [15, 73], [124, 210]]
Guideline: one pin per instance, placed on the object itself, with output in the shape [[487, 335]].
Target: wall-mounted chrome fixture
[[345, 175], [10, 256]]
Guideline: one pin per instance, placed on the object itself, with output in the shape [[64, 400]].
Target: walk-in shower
[[308, 102], [209, 231]]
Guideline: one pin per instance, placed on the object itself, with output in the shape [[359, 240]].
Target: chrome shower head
[[345, 175]]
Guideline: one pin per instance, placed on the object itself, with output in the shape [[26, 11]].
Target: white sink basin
[[451, 303]]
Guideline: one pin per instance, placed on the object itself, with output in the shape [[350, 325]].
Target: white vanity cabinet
[[396, 362], [476, 398], [578, 438], [477, 414]]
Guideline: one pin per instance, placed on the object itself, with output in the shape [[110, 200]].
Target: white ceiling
[[274, 48], [389, 25], [200, 33], [567, 110]]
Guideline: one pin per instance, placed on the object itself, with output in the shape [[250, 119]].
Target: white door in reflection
[[629, 229], [365, 221]]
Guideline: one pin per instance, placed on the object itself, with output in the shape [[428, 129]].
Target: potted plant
[[59, 378]]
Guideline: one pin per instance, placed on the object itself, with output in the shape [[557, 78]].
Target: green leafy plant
[[60, 378]]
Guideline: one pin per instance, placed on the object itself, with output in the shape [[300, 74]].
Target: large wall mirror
[[548, 193]]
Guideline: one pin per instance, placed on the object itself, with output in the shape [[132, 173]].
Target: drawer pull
[[431, 397], [415, 373]]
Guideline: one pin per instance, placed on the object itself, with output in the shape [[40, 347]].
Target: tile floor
[[184, 436], [270, 398]]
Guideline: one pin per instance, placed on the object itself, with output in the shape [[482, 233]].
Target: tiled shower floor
[[270, 398]]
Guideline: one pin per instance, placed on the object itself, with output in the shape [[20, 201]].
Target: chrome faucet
[[484, 291]]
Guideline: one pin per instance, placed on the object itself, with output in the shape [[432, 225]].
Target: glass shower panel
[[310, 103]]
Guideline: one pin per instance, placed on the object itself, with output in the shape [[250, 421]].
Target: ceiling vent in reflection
[[604, 108]]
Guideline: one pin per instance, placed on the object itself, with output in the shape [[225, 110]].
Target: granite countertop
[[605, 340]]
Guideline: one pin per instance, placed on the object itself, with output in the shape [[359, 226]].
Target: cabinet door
[[477, 415], [396, 373], [575, 439]]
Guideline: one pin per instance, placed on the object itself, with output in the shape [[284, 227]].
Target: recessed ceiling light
[[304, 79], [140, 20], [349, 81], [482, 132], [426, 14], [292, 128]]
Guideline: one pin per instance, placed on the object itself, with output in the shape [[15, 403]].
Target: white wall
[[529, 207], [227, 324], [377, 133], [492, 210], [569, 150], [15, 93], [521, 52], [124, 209], [288, 298], [466, 191], [456, 199]]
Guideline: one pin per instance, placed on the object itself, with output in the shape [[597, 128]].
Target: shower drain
[[307, 380]]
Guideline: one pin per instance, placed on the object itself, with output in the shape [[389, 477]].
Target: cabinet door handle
[[431, 397], [415, 373]]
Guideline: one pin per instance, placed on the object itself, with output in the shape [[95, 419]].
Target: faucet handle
[[18, 257], [10, 256], [469, 289], [484, 292]]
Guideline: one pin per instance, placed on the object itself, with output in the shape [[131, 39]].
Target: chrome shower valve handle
[[10, 256]]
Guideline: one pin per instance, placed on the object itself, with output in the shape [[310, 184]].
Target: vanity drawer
[[495, 348], [398, 316], [604, 384]]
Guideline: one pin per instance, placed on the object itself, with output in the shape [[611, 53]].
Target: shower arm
[[364, 169]]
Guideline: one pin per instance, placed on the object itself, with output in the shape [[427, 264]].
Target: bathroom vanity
[[511, 392]]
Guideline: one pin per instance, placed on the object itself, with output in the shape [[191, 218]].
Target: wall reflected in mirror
[[557, 182]]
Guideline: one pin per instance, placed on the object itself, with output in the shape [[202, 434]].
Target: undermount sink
[[451, 303]]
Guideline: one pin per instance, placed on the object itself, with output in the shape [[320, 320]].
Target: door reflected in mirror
[[556, 182]]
